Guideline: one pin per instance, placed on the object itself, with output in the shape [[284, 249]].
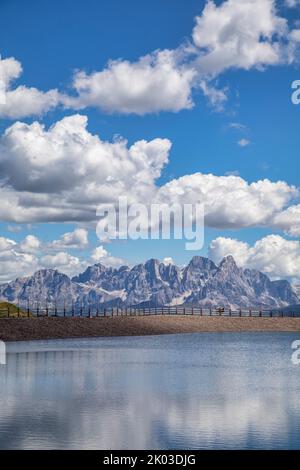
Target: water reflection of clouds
[[194, 395]]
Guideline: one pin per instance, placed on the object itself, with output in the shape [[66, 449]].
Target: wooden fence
[[92, 311]]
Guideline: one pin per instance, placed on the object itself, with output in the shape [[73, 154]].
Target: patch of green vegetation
[[13, 310]]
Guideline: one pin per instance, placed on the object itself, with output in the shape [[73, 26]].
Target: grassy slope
[[13, 310]]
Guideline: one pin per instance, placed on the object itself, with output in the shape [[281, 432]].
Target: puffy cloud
[[29, 255], [156, 82], [230, 201], [274, 255], [6, 244], [101, 255], [234, 35], [18, 259], [21, 259], [22, 101], [289, 220], [221, 247], [295, 35], [39, 160], [63, 173], [30, 244], [228, 35], [76, 239], [13, 261], [62, 261]]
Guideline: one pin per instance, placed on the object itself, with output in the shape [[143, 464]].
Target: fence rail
[[92, 311]]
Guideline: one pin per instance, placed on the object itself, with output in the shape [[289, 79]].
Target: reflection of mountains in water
[[201, 391]]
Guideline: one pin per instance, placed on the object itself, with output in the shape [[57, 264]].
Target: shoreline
[[28, 329]]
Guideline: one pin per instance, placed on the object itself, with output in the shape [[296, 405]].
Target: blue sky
[[54, 39]]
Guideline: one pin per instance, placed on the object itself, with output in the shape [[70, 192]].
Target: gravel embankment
[[25, 329]]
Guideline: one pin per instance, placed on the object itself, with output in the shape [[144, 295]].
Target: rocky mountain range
[[200, 283]]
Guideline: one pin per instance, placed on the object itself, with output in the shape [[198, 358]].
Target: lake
[[192, 391]]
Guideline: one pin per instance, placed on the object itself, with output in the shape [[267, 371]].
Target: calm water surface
[[194, 391]]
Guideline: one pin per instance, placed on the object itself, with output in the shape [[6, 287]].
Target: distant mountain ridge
[[153, 283]]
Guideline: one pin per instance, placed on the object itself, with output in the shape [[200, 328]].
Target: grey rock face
[[200, 283]]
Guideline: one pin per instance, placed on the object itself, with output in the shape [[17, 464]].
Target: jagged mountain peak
[[99, 266], [201, 261], [201, 282], [228, 261], [153, 267], [47, 274], [152, 262]]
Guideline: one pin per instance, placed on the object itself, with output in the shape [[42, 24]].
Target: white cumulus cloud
[[101, 255], [63, 261], [154, 83], [274, 255], [19, 259], [76, 239], [30, 244], [63, 173], [289, 220], [14, 260], [240, 34], [228, 35], [22, 101], [230, 201]]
